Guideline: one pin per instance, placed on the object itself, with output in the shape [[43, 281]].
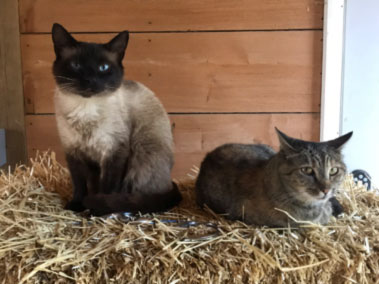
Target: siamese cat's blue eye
[[333, 171], [103, 67], [75, 65], [307, 170]]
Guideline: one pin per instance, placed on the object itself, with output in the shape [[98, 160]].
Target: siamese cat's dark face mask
[[88, 69]]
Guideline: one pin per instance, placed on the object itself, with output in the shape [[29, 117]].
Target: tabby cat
[[116, 134], [248, 182]]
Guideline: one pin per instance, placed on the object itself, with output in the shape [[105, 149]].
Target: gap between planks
[[181, 31]]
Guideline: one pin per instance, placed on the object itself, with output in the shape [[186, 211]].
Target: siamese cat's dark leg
[[93, 176], [78, 171], [113, 171]]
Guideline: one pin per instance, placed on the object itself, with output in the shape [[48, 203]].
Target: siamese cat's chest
[[93, 125]]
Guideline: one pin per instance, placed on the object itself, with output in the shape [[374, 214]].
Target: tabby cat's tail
[[102, 204]]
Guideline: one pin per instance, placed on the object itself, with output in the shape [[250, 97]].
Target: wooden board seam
[[181, 31]]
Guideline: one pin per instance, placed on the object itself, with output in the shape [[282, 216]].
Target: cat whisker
[[66, 87], [107, 87], [66, 78]]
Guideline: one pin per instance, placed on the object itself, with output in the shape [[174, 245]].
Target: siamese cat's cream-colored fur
[[105, 119]]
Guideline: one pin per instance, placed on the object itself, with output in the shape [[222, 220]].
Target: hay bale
[[42, 243]]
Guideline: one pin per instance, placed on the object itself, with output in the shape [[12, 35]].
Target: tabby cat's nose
[[325, 190]]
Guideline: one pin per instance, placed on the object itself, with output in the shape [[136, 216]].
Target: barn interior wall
[[226, 71]]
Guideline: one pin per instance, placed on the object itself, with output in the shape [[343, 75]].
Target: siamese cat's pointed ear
[[61, 38], [286, 143], [118, 44], [340, 141]]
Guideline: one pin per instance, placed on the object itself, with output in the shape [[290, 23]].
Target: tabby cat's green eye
[[333, 171], [307, 170]]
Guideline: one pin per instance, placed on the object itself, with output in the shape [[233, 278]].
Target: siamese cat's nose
[[93, 85], [89, 81]]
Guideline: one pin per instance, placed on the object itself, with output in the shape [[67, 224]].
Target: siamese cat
[[116, 134], [247, 182]]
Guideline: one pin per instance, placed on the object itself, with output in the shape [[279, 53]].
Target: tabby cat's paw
[[337, 208]]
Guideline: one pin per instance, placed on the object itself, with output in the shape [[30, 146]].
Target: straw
[[40, 242]]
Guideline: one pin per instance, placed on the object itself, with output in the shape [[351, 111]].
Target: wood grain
[[37, 16], [195, 135], [11, 94], [202, 72]]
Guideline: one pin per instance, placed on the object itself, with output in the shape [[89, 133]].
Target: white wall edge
[[332, 68]]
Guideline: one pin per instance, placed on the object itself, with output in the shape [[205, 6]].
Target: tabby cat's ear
[[286, 143], [61, 38], [340, 141], [118, 44]]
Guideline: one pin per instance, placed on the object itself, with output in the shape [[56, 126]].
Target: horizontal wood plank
[[202, 72], [37, 16], [195, 135]]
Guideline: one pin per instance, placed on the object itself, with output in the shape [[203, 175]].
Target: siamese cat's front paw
[[76, 206]]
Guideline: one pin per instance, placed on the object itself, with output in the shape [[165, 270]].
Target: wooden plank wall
[[11, 94], [226, 70]]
